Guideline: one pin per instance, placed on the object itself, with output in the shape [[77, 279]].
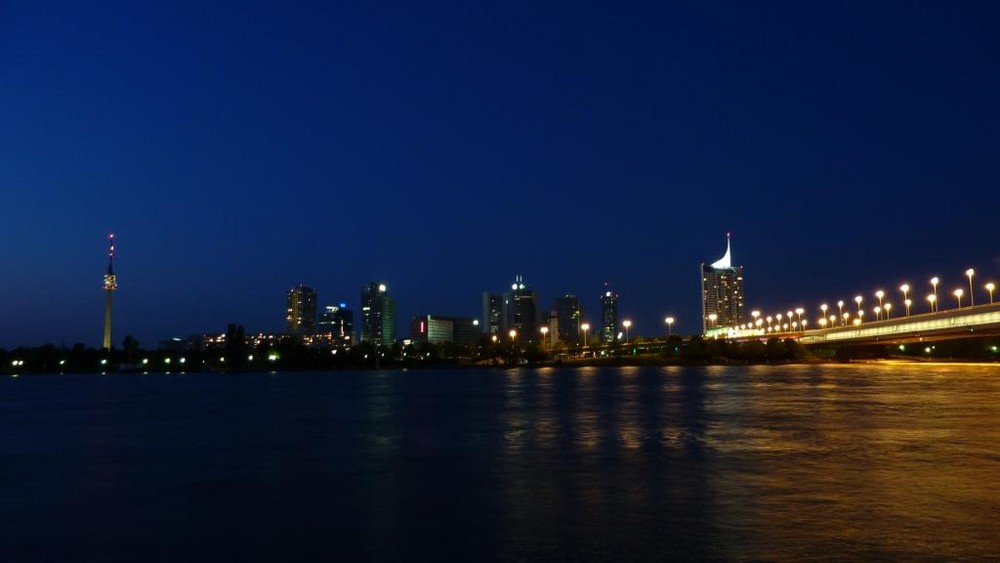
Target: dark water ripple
[[885, 462]]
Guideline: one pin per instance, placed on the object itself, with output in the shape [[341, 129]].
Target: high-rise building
[[110, 285], [570, 316], [432, 328], [722, 300], [378, 315], [520, 312], [492, 312], [609, 316], [300, 311], [338, 322]]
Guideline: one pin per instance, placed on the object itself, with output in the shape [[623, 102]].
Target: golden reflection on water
[[774, 462]]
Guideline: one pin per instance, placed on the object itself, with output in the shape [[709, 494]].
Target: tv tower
[[110, 285]]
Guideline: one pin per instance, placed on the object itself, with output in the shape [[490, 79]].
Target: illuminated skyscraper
[[609, 316], [301, 310], [722, 293], [378, 315], [110, 285], [520, 312], [569, 313], [338, 322]]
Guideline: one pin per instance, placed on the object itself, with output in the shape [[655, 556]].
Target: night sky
[[239, 149]]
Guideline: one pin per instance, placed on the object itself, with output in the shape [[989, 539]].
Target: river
[[814, 462]]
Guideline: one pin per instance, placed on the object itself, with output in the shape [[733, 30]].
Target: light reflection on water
[[888, 461]]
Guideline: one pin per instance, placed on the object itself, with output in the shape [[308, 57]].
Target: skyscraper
[[338, 322], [609, 316], [570, 314], [722, 293], [378, 314], [110, 285], [300, 312], [520, 311], [492, 312]]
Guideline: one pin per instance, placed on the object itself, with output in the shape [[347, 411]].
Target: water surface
[[890, 462]]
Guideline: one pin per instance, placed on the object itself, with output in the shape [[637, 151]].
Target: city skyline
[[237, 151]]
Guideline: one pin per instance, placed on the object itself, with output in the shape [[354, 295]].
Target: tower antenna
[[110, 285]]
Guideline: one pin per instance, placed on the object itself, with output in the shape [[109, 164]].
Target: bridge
[[976, 320]]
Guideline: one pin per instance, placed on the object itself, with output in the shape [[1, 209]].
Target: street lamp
[[878, 312], [711, 319], [840, 308], [932, 299], [823, 308], [990, 287], [798, 314], [833, 320], [880, 294], [958, 295], [778, 318], [545, 331], [755, 314], [858, 299], [887, 308], [907, 302], [670, 325], [972, 293], [934, 282], [513, 334], [585, 327], [626, 324]]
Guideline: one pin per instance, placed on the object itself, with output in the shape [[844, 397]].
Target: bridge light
[[958, 295], [932, 299], [858, 299], [990, 287], [934, 282], [887, 308]]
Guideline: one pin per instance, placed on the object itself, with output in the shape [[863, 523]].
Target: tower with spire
[[722, 300], [110, 285]]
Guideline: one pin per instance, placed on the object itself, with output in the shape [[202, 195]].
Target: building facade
[[570, 315], [378, 315], [609, 316], [520, 312], [432, 328], [492, 312], [338, 323], [722, 299], [300, 310]]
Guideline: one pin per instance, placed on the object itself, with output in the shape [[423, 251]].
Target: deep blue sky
[[239, 149]]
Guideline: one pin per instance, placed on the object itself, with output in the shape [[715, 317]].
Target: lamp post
[[778, 318], [858, 299], [798, 314], [990, 287], [670, 325], [585, 327], [545, 332], [823, 308], [887, 308], [907, 302], [755, 315], [711, 320], [972, 292], [958, 295], [880, 294], [840, 308], [932, 299], [626, 324], [934, 282], [905, 288], [878, 312]]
